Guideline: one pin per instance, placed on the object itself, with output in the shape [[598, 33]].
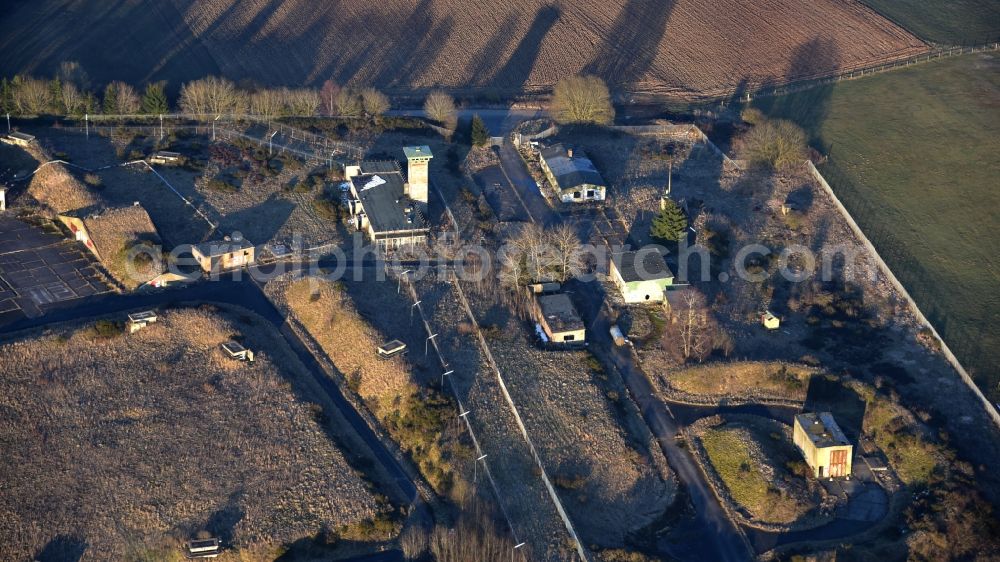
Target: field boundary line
[[912, 304], [520, 424]]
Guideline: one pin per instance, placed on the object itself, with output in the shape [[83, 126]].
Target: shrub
[[220, 185], [326, 209], [582, 99], [776, 144], [104, 329], [93, 180]]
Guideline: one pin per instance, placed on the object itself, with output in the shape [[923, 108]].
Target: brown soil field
[[683, 47], [124, 445]]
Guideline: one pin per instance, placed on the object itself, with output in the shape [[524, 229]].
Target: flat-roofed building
[[18, 138], [824, 446], [220, 255], [558, 319], [383, 208]]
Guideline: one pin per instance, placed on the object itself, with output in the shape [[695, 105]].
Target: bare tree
[[774, 143], [474, 537], [72, 99], [566, 247], [212, 95], [375, 103], [691, 326], [302, 102], [266, 103], [126, 100], [328, 98], [440, 107], [348, 103], [582, 99], [31, 95]]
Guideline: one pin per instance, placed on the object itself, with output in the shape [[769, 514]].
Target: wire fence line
[[463, 413]]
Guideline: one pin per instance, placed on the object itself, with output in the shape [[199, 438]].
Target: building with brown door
[[824, 446]]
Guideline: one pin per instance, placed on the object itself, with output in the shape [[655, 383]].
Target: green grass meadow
[[948, 22], [914, 157]]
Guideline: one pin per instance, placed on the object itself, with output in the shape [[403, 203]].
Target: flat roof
[[381, 195], [220, 247], [417, 152], [646, 264], [21, 136], [559, 312], [570, 172], [822, 430]]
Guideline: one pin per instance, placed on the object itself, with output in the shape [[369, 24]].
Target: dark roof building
[[643, 265], [382, 206], [558, 318]]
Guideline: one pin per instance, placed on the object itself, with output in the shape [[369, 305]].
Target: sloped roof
[[382, 197], [569, 171]]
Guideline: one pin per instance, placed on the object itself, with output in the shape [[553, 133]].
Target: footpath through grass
[[913, 156], [951, 22]]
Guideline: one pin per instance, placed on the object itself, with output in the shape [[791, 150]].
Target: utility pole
[[86, 123], [8, 122], [426, 344], [161, 126], [213, 126], [445, 374], [269, 153], [475, 465]]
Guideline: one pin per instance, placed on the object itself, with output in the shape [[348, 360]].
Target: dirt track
[[682, 47]]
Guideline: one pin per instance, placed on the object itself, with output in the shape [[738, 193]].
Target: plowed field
[[680, 47]]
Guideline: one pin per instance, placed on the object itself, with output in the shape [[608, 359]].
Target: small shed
[[558, 319], [3, 198], [236, 351], [19, 139], [229, 253], [391, 348], [770, 321], [823, 445], [202, 548], [165, 157], [139, 320]]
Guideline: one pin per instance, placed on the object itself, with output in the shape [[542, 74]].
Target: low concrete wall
[[945, 350]]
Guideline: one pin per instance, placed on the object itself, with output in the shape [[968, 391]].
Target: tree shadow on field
[[62, 548], [517, 69], [481, 68], [223, 522], [632, 42], [809, 109]]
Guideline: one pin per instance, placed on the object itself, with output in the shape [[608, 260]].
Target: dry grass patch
[[58, 189], [415, 416], [770, 378], [131, 442], [748, 478]]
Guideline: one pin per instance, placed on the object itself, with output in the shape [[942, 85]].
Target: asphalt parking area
[[39, 268]]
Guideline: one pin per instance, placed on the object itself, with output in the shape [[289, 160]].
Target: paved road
[[724, 541], [247, 295], [525, 187]]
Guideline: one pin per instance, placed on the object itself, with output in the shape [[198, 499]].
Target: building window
[[590, 193], [569, 337]]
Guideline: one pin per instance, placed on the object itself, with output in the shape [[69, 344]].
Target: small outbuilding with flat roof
[[18, 138], [558, 319], [641, 276], [824, 446], [221, 255]]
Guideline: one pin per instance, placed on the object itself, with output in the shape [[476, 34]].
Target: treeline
[[69, 94]]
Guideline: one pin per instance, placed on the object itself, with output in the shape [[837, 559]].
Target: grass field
[[913, 157], [955, 21]]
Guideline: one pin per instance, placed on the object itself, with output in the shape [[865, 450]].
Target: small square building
[[641, 276], [220, 255], [824, 446], [558, 319]]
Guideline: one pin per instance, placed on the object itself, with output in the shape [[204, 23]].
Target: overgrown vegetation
[[774, 143], [582, 99]]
